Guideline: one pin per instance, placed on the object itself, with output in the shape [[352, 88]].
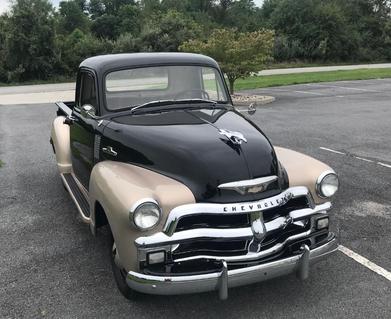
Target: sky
[[4, 4]]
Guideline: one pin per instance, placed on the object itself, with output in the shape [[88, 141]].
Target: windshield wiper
[[169, 102]]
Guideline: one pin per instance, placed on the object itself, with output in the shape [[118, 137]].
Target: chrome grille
[[233, 246], [224, 231], [223, 221]]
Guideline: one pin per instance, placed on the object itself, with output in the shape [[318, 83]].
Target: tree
[[30, 40], [167, 32], [3, 48], [244, 16], [96, 8], [238, 53], [130, 17], [106, 26], [72, 16], [78, 46]]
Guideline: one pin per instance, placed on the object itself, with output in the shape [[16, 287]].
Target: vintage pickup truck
[[194, 194]]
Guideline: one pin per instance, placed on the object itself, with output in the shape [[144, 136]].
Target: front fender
[[117, 187], [302, 170]]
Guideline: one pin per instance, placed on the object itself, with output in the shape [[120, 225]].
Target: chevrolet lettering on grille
[[260, 205]]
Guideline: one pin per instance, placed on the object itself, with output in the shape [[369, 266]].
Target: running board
[[77, 196]]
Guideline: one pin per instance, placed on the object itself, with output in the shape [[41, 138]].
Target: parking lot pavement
[[52, 267]]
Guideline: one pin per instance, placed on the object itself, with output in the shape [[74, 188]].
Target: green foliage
[[130, 19], [38, 42], [3, 48], [72, 16], [168, 31], [238, 53], [336, 30], [106, 26], [126, 43], [30, 40], [78, 46]]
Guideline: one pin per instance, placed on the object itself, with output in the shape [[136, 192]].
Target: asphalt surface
[[51, 266]]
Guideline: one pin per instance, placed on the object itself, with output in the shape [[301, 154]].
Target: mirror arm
[[250, 110]]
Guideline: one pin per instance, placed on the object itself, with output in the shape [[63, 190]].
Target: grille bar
[[160, 239], [269, 206]]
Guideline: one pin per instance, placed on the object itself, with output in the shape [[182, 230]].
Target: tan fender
[[61, 142], [302, 170], [118, 187]]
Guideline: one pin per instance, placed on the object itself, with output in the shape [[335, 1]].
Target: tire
[[120, 274]]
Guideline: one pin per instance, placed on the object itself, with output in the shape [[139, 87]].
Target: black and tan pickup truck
[[194, 194]]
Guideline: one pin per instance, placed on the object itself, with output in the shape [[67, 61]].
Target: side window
[[211, 84], [88, 90]]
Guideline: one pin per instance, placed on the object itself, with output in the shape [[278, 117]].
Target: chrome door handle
[[109, 150]]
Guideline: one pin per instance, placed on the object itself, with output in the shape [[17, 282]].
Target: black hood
[[187, 146]]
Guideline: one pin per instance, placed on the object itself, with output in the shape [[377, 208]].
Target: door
[[82, 131]]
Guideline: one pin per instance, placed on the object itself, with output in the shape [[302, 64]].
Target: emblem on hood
[[251, 186], [235, 137]]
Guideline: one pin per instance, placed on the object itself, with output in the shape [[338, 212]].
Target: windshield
[[133, 87]]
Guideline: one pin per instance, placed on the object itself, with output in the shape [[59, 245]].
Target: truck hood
[[187, 146]]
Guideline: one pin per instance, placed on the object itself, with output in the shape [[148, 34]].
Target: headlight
[[146, 215], [327, 184]]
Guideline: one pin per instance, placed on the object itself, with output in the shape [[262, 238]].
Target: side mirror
[[251, 109], [88, 111]]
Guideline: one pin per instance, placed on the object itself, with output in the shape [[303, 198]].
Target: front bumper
[[224, 279]]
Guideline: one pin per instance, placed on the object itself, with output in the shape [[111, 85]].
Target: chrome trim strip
[[235, 208], [243, 187], [172, 285], [162, 238]]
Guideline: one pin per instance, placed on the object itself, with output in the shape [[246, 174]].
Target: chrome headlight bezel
[[141, 207], [323, 179]]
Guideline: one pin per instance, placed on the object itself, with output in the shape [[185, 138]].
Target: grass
[[1, 163], [49, 81], [303, 64], [255, 82]]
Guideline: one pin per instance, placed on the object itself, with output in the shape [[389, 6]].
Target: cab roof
[[105, 63]]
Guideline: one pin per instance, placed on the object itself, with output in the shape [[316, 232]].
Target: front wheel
[[120, 274]]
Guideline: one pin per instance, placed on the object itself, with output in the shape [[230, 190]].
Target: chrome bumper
[[222, 280]]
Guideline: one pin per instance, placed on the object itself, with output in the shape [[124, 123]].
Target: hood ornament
[[235, 137], [252, 186]]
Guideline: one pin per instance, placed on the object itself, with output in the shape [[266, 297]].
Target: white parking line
[[364, 159], [357, 157], [383, 164], [365, 262], [290, 91], [306, 92], [343, 87], [333, 151]]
